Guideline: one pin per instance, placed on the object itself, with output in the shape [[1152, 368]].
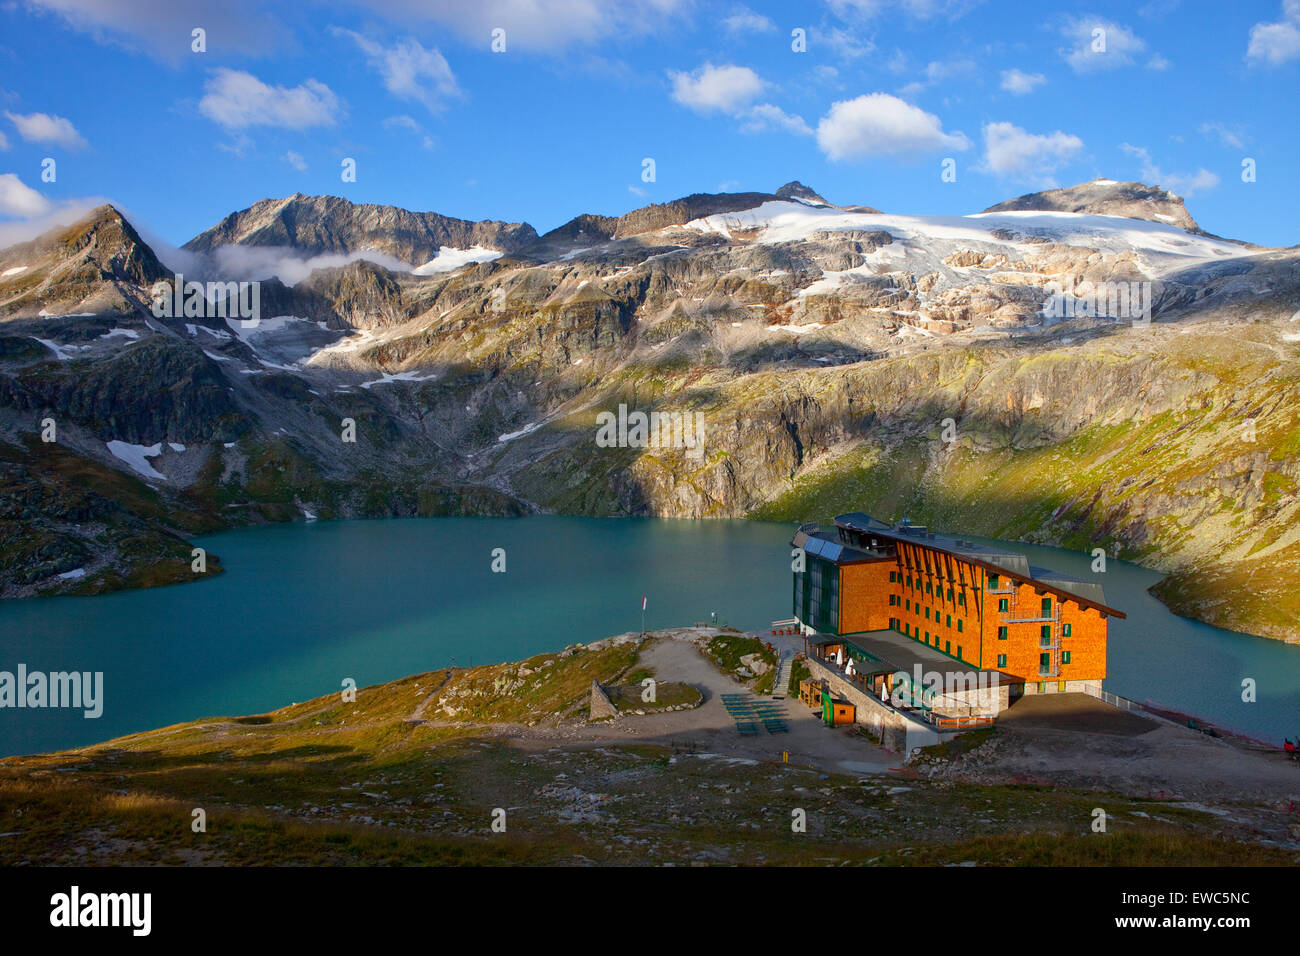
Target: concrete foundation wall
[[1071, 687], [973, 703]]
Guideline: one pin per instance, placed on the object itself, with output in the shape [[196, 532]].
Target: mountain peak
[[331, 224], [1108, 197], [98, 264], [797, 190]]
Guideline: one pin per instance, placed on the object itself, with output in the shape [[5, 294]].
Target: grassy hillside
[[413, 770]]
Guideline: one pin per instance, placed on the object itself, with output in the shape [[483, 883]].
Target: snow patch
[[60, 352], [137, 457], [71, 575], [13, 272], [778, 222], [526, 430], [450, 259], [399, 377]]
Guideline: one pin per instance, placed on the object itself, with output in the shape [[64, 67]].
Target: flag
[[643, 602]]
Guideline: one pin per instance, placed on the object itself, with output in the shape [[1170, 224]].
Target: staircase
[[782, 680]]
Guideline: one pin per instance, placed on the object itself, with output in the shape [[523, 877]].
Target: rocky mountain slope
[[317, 225], [979, 372], [1106, 197]]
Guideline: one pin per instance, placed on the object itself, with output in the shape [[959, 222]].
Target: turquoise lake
[[303, 606]]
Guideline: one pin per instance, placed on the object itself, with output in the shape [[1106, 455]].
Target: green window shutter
[[1065, 657], [1065, 630], [959, 623], [1002, 633], [1002, 660]]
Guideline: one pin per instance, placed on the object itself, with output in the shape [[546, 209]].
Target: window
[[1004, 604], [927, 614], [1002, 660], [958, 652], [1045, 635], [927, 637], [947, 646], [1065, 630], [907, 629], [947, 620], [950, 594], [908, 602], [959, 623], [961, 599], [1002, 633], [993, 582], [929, 588], [1065, 657], [1044, 663], [1047, 607], [893, 576]]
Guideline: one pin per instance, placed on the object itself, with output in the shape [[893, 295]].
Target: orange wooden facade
[[989, 620]]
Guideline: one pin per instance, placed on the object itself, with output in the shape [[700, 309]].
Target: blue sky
[[1019, 96]]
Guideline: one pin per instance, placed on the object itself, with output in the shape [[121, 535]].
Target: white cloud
[[162, 28], [410, 71], [1227, 135], [19, 200], [1099, 44], [296, 161], [935, 72], [918, 9], [844, 44], [1277, 43], [1012, 152], [726, 89], [4, 142], [745, 20], [1019, 82], [882, 125], [44, 128], [1185, 185], [766, 116], [405, 122], [236, 99], [542, 25]]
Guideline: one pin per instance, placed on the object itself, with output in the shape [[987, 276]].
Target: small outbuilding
[[836, 712]]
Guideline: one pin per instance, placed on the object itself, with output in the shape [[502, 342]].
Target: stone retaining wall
[[897, 731]]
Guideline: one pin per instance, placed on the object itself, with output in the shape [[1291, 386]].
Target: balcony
[[1016, 615]]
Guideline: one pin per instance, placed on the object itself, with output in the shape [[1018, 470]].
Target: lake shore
[[499, 764]]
